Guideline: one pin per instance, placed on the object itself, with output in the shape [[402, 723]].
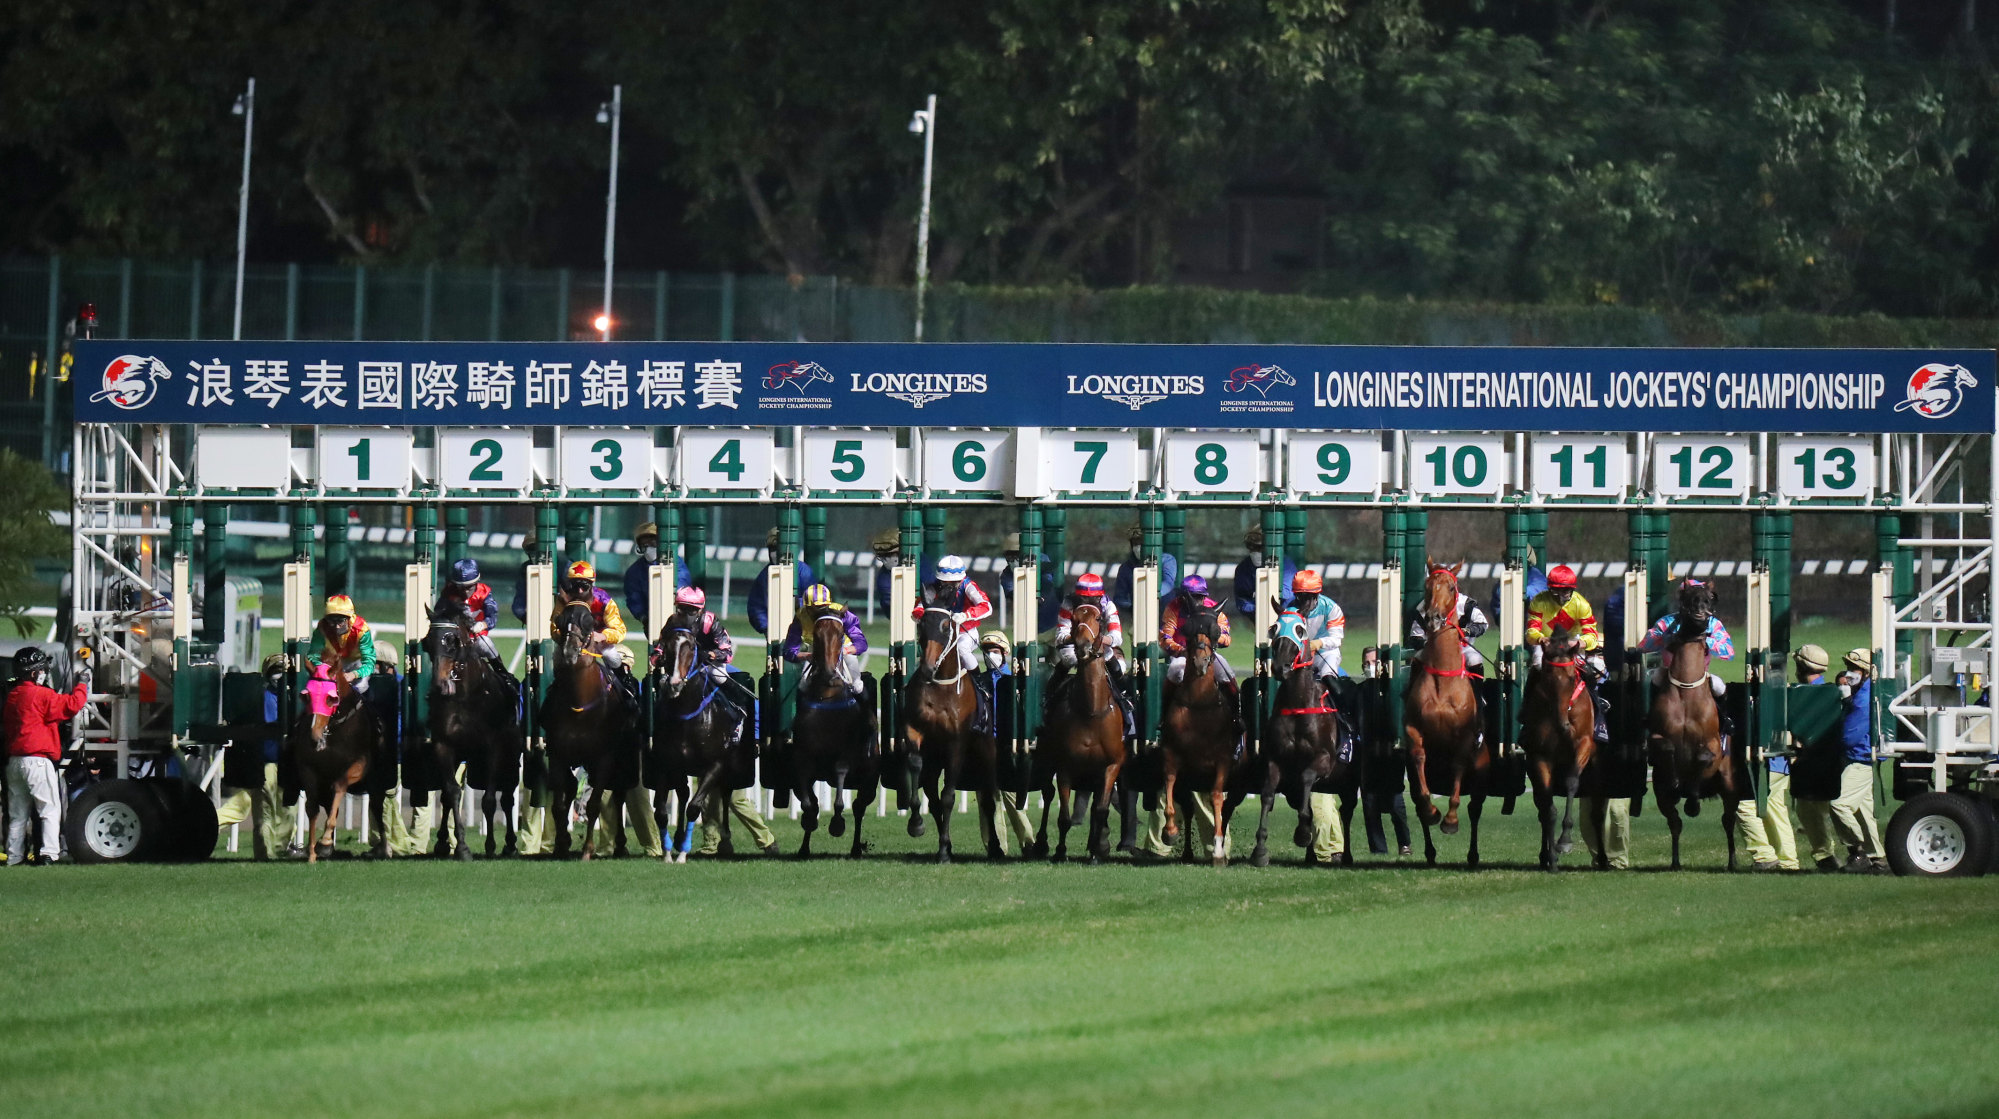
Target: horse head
[[446, 644], [575, 623], [1694, 607], [1287, 644], [829, 640], [937, 637], [1561, 644], [680, 643], [1439, 610], [1086, 631], [1203, 633]]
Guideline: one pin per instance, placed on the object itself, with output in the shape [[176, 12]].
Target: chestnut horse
[[1082, 743], [1557, 731], [473, 721], [1197, 733], [1684, 724], [329, 753], [939, 709], [586, 721], [1441, 716], [832, 740], [1302, 745]]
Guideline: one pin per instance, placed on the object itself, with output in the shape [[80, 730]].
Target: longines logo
[[918, 389], [1135, 390]]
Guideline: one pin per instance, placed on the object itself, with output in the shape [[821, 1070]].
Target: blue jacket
[[885, 580], [1537, 581], [1856, 726], [271, 726], [758, 607], [1169, 580], [521, 593], [637, 592], [1047, 589], [1245, 586]]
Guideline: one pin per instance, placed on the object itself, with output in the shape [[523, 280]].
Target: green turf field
[[897, 987]]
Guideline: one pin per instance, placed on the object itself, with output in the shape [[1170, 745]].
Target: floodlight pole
[[925, 122], [617, 109], [246, 105]]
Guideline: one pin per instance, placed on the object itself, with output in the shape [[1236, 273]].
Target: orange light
[[602, 323]]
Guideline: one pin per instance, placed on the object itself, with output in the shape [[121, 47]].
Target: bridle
[[1091, 625], [1436, 625], [946, 648]]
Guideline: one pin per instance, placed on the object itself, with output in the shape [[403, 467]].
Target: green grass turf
[[896, 987]]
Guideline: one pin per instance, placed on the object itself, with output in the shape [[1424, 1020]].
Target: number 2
[[489, 469], [359, 453]]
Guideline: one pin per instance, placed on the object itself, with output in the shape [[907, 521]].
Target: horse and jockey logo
[[1258, 377], [796, 374], [131, 382], [1937, 389]]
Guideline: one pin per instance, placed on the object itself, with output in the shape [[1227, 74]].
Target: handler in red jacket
[[28, 727]]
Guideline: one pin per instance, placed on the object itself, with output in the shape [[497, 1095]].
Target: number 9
[[1335, 463]]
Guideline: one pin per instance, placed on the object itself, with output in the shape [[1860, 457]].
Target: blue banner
[[466, 384]]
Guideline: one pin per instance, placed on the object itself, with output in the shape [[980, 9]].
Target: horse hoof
[[803, 852], [1170, 836], [1430, 857], [995, 853], [1301, 836], [1563, 847], [1449, 827], [1221, 861], [943, 857], [1471, 864], [1693, 807], [1037, 850], [1259, 857], [915, 824], [510, 852], [837, 827], [464, 854]]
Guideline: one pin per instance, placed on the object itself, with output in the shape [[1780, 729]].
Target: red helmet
[[1562, 575], [1089, 585]]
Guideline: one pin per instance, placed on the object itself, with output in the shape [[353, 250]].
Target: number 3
[[613, 465]]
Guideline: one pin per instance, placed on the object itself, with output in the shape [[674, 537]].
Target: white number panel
[[1701, 466], [1090, 461], [1578, 466], [1457, 465], [244, 458], [1830, 466], [725, 458], [364, 458], [967, 461], [606, 458], [839, 459], [485, 458], [1335, 462], [1213, 462]]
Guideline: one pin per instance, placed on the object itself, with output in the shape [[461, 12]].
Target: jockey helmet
[[1195, 585], [818, 594], [1813, 657], [691, 596], [1690, 581], [29, 661], [770, 538], [465, 572], [339, 604], [886, 541], [1253, 540], [583, 569], [1562, 576], [1307, 581], [1089, 585], [650, 528], [951, 569], [273, 663]]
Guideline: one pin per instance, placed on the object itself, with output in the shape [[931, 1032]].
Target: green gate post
[[301, 545], [1513, 658], [1294, 537], [694, 545], [1026, 666], [575, 533], [909, 530], [423, 549], [1659, 572], [1394, 548], [779, 683], [1146, 652], [667, 516], [1055, 543], [339, 553], [214, 565], [814, 551], [539, 645], [1415, 557], [933, 532], [1259, 696], [1537, 535], [457, 533], [1173, 538]]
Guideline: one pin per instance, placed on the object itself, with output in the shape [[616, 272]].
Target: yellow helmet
[[340, 604], [583, 569], [818, 594]]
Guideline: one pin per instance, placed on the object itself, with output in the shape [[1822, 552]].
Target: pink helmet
[[690, 596], [1090, 585]]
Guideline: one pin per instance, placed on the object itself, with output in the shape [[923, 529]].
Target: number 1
[[359, 453]]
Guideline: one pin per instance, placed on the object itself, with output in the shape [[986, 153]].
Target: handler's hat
[[995, 640], [1813, 657], [650, 528], [770, 538], [1012, 542], [1135, 533], [1253, 539], [888, 540], [385, 653], [1861, 659], [274, 663]]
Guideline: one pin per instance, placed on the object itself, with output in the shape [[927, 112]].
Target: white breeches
[[849, 671], [1327, 662], [614, 656]]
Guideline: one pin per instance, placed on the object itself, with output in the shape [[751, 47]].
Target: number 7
[[1096, 451]]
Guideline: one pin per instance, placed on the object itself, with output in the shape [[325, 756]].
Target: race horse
[[1081, 745], [1197, 733], [586, 721], [1683, 726], [939, 711], [1302, 745], [1557, 731], [1441, 717], [695, 732], [330, 747], [474, 721], [832, 740]]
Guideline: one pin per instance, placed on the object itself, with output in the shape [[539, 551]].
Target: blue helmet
[[465, 571]]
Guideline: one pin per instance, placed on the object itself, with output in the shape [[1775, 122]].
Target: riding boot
[[1326, 692], [1232, 695], [1602, 734], [507, 681], [982, 683]]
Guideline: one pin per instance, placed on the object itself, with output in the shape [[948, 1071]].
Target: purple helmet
[[1194, 584]]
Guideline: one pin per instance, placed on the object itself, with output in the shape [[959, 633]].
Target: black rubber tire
[[115, 822], [191, 828], [1940, 835]]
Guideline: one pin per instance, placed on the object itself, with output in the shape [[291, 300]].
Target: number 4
[[729, 460]]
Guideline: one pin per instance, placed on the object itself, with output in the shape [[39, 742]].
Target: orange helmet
[[1562, 576], [1307, 582]]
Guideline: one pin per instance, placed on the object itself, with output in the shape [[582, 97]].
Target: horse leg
[[1477, 809], [913, 767], [1429, 846], [512, 849], [1544, 811], [1127, 811], [838, 825], [1419, 762], [1670, 808], [943, 801], [1169, 832], [806, 790], [593, 805], [1065, 817], [989, 823], [1728, 826], [1260, 856], [1039, 848], [1100, 816], [312, 803], [560, 799], [1216, 797], [1301, 836], [1567, 841], [376, 815], [456, 791]]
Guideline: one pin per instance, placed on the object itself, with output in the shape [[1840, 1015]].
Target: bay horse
[[586, 721], [330, 748], [1081, 745], [1440, 716], [832, 740], [1558, 733], [1197, 732], [694, 734], [1683, 726], [939, 709], [474, 721], [1302, 746]]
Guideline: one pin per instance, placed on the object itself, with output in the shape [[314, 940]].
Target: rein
[[706, 699]]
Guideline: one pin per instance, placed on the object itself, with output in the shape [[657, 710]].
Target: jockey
[[579, 587], [1090, 589], [1471, 623], [1191, 597], [715, 650], [465, 590], [1719, 646], [1562, 607], [343, 641], [819, 604], [1325, 625], [969, 606]]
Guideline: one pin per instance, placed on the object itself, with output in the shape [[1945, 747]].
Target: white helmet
[[951, 569]]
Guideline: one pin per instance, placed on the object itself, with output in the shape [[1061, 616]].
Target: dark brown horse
[[1689, 759], [695, 735], [473, 721], [1197, 733], [939, 709], [329, 755], [832, 740], [1302, 745], [586, 721], [1440, 716], [1557, 730], [1081, 744]]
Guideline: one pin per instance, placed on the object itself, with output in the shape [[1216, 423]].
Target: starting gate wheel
[[190, 831], [1941, 835], [115, 822]]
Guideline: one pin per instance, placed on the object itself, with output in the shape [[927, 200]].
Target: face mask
[[651, 553], [1256, 559], [994, 659]]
